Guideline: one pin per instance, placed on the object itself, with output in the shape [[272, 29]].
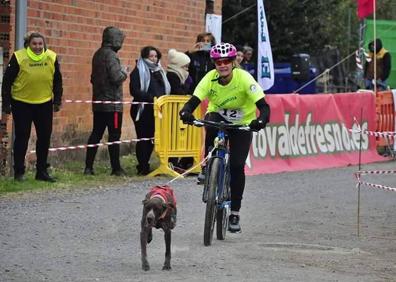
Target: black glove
[[186, 117], [6, 109], [56, 108], [257, 124]]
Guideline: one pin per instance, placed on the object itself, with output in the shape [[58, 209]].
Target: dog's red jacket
[[165, 192]]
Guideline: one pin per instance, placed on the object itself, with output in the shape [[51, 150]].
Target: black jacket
[[200, 65], [156, 87], [107, 74], [177, 88]]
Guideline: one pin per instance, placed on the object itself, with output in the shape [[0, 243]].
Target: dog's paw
[[149, 237], [166, 267], [145, 266]]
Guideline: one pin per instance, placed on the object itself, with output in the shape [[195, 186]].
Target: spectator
[[32, 91], [178, 75], [107, 77], [239, 56], [247, 63], [177, 72], [383, 66], [200, 60], [148, 80]]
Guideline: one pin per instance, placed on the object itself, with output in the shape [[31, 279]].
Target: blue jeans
[[381, 85]]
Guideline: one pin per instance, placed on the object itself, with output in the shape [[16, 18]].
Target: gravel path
[[296, 227]]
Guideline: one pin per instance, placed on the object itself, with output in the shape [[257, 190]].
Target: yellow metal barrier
[[172, 138]]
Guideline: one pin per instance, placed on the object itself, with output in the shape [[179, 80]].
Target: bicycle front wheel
[[211, 205], [224, 210], [221, 223]]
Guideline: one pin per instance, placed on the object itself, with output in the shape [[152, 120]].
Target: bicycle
[[217, 192]]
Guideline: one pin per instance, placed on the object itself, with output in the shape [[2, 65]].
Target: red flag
[[365, 8]]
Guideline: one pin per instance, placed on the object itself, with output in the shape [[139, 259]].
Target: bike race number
[[231, 115]]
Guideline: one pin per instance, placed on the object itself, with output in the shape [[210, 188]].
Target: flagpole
[[375, 47]]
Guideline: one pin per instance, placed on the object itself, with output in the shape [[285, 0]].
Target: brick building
[[73, 29]]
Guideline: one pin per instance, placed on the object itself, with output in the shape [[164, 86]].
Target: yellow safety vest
[[380, 64], [34, 82]]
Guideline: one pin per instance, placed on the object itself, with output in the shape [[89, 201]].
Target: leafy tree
[[299, 26]]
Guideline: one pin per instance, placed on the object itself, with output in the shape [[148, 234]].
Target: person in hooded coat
[[147, 80], [383, 68], [107, 77]]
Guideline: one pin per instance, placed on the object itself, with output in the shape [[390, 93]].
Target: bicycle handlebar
[[220, 125]]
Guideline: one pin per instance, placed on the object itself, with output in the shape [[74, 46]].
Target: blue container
[[284, 82]]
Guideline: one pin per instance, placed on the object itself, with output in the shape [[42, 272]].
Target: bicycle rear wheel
[[211, 204]]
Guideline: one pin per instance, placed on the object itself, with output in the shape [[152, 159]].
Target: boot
[[118, 172], [89, 171], [143, 169], [44, 176], [19, 173], [20, 177]]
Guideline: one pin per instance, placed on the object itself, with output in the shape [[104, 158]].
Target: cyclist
[[234, 95]]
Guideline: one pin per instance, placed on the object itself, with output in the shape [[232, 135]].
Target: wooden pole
[[360, 166]]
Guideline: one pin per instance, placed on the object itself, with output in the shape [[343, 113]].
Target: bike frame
[[217, 194], [221, 151]]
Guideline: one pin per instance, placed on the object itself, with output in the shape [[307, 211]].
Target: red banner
[[312, 132], [365, 8]]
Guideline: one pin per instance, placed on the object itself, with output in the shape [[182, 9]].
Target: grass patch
[[70, 175]]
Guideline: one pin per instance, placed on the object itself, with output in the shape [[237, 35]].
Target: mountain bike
[[217, 193]]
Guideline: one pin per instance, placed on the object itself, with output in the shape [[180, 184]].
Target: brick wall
[[73, 29]]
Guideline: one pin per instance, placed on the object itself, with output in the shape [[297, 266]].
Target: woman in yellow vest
[[32, 91]]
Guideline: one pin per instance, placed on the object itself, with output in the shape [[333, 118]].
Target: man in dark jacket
[[107, 78], [383, 66]]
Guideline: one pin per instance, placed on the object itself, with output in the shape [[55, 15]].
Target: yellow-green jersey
[[236, 101]]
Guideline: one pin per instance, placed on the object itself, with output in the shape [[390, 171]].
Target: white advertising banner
[[265, 64], [213, 25]]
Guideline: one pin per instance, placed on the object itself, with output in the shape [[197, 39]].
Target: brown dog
[[159, 211]]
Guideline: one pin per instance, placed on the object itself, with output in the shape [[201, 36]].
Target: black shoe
[[89, 171], [44, 176], [118, 172], [19, 177], [233, 224], [143, 170]]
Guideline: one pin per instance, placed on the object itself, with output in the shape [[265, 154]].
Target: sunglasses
[[223, 62]]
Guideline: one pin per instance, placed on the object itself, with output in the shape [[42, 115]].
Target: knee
[[114, 136], [237, 169]]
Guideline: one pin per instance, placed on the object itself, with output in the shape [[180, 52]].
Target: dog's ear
[[144, 202]]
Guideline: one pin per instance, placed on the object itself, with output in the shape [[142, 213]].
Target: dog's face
[[154, 208]]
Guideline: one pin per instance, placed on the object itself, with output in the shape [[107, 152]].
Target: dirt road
[[295, 227]]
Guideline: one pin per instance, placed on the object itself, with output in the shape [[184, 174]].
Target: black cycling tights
[[239, 148]]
